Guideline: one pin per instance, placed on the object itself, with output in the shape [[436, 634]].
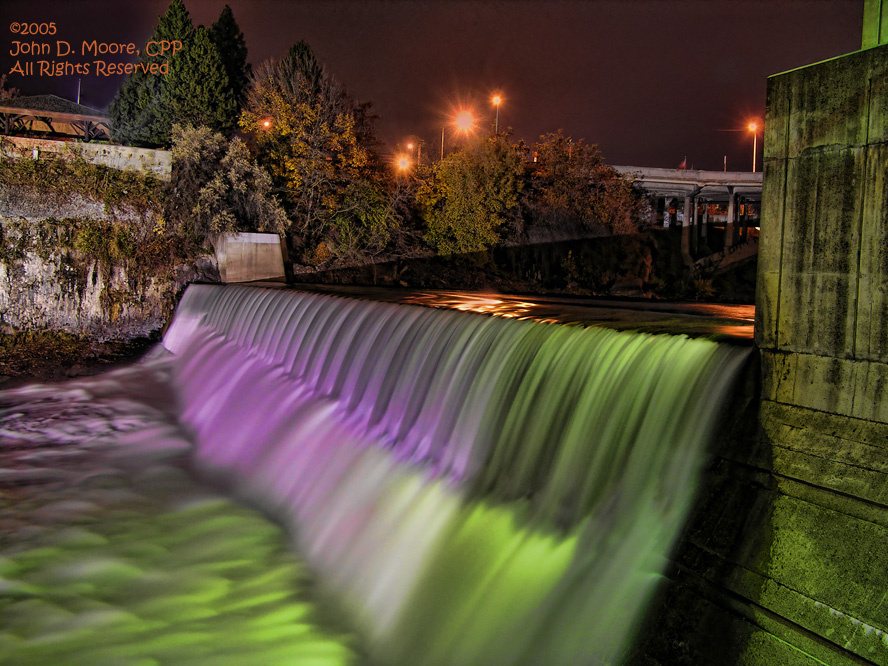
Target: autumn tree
[[571, 186], [471, 195], [218, 187], [316, 144]]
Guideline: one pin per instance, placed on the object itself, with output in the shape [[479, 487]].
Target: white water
[[473, 490]]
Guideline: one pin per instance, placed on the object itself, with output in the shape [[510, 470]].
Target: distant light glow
[[403, 163], [753, 127], [464, 121], [497, 100]]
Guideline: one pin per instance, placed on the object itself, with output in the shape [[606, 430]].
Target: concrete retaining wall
[[246, 257], [150, 160]]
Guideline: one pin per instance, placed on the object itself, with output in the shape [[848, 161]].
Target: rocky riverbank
[[46, 356]]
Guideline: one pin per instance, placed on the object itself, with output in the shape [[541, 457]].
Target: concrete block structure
[[786, 561], [246, 257], [822, 329]]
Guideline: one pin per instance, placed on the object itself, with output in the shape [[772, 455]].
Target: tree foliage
[[219, 187], [318, 146], [571, 185], [5, 91], [229, 41], [139, 112], [471, 195], [198, 91], [196, 88]]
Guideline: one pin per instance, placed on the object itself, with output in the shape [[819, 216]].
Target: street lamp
[[497, 100], [464, 122], [403, 163], [415, 143], [752, 128]]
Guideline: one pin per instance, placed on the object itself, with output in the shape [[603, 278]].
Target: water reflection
[[510, 308], [694, 319]]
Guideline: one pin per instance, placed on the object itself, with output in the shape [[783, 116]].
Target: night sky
[[649, 81]]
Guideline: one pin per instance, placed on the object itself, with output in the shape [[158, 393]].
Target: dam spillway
[[467, 489]]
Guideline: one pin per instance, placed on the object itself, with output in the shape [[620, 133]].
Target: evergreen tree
[[229, 41], [138, 112], [198, 91], [301, 72]]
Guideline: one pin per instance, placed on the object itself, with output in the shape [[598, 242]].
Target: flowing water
[[468, 489]]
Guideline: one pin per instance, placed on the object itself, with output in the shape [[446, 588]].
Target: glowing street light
[[752, 127], [403, 162], [464, 121], [497, 100]]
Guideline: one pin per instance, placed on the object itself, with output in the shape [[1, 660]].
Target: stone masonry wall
[[158, 162]]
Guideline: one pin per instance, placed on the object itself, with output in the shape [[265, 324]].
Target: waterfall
[[472, 490]]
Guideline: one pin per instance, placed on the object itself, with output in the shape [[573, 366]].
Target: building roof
[[50, 104]]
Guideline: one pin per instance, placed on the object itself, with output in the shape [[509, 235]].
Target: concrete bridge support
[[704, 229], [686, 231], [732, 217]]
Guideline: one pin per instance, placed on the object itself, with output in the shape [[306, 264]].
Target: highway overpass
[[690, 191]]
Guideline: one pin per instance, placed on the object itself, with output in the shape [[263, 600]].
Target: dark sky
[[649, 81]]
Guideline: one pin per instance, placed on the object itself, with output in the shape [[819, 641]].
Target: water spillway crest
[[473, 490]]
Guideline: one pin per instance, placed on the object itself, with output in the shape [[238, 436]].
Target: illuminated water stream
[[469, 489]]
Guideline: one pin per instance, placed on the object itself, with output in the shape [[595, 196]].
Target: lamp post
[[752, 128], [464, 121], [497, 100]]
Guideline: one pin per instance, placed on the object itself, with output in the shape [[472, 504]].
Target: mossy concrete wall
[[820, 566], [785, 562], [149, 160]]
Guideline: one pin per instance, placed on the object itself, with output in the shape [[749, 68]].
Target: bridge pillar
[[705, 227], [732, 217], [695, 225], [686, 231]]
